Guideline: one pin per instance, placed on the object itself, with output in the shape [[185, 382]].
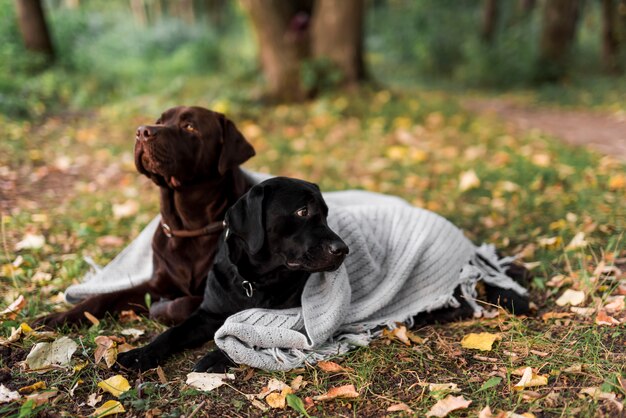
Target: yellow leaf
[[109, 408], [483, 341], [95, 321], [31, 388], [617, 181], [25, 328], [277, 400], [115, 385], [448, 404]]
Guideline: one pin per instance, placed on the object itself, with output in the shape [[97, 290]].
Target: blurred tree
[[559, 23], [33, 27], [611, 22], [294, 33], [490, 20]]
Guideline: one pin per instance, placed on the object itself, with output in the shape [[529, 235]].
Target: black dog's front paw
[[215, 361], [137, 359]]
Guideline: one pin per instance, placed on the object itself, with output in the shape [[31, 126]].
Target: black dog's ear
[[235, 149], [245, 219]]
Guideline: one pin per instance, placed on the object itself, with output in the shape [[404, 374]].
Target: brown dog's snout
[[337, 248], [146, 133]]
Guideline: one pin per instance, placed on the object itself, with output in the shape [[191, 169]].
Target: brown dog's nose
[[146, 133], [338, 248]]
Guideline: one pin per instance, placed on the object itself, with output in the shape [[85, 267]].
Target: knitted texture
[[402, 261]]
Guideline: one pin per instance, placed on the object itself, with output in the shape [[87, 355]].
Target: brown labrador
[[193, 155]]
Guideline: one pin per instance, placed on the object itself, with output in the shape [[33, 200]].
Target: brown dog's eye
[[189, 127], [302, 212]]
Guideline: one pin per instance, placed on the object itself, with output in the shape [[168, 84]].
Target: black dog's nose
[[146, 133], [338, 248]]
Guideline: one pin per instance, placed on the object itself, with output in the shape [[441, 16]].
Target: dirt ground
[[605, 133]]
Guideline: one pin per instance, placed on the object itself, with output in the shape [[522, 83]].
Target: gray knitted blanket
[[403, 260]]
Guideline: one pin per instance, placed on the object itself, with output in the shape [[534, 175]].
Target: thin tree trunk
[[281, 49], [490, 20], [337, 34], [610, 41], [33, 27], [560, 21], [139, 12]]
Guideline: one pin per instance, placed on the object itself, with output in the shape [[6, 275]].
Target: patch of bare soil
[[604, 132]]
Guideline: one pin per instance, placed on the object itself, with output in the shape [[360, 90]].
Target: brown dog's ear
[[245, 219], [235, 149]]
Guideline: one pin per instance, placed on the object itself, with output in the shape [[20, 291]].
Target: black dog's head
[[189, 145], [281, 223]]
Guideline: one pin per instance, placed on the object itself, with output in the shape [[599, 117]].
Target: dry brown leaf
[[556, 315], [273, 385], [482, 341], [603, 319], [297, 383], [7, 395], [584, 312], [128, 316], [468, 180], [110, 241], [346, 391], [614, 304], [161, 375], [106, 349], [45, 356], [93, 399], [400, 407], [486, 413], [450, 403], [332, 367], [94, 321], [31, 242], [41, 398], [14, 308], [208, 381]]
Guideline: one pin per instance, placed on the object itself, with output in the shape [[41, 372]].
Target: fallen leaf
[[115, 385], [550, 242], [278, 400], [133, 332], [161, 375], [574, 368], [93, 399], [14, 308], [468, 180], [110, 241], [106, 348], [577, 242], [128, 316], [208, 381], [485, 413], [44, 356], [442, 387], [482, 341], [530, 379], [126, 209], [108, 408], [346, 391], [273, 385], [30, 242], [332, 367], [617, 181], [42, 397], [586, 312], [94, 321], [614, 304], [603, 319], [31, 388], [571, 297], [400, 407], [297, 383], [7, 395], [555, 315], [16, 334], [450, 403]]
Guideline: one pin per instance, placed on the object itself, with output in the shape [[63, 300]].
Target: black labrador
[[276, 236]]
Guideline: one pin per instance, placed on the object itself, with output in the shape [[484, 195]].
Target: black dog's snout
[[146, 133], [338, 248]]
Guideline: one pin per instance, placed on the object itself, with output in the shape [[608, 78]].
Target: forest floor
[[69, 189], [596, 129]]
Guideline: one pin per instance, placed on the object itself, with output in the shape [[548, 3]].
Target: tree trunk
[[490, 20], [337, 34], [610, 41], [560, 21], [33, 27], [283, 45], [527, 6]]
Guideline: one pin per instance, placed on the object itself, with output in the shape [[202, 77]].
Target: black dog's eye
[[189, 127], [303, 212]]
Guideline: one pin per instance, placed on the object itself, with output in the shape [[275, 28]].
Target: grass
[[62, 175]]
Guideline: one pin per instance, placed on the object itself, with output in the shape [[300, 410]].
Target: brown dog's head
[[189, 145]]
